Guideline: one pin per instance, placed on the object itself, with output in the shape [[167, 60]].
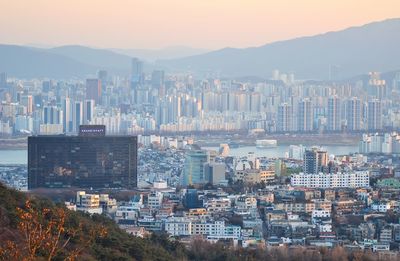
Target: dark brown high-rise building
[[85, 161], [93, 90]]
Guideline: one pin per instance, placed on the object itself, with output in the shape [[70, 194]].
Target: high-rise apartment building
[[136, 72], [157, 78], [67, 121], [374, 116], [102, 75], [77, 117], [158, 81], [52, 115], [376, 86], [333, 114], [353, 114], [284, 119], [88, 111], [305, 115], [27, 101]]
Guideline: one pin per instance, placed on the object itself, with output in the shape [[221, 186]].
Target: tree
[[339, 254], [44, 234]]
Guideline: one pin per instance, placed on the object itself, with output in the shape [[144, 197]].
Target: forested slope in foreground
[[33, 228]]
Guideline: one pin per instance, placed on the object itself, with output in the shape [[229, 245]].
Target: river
[[21, 157], [13, 156], [281, 150]]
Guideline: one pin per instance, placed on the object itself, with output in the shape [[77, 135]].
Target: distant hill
[[353, 51], [60, 62], [172, 52], [75, 61], [334, 55], [27, 62], [105, 59]]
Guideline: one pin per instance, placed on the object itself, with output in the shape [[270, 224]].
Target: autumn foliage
[[33, 228], [45, 235]]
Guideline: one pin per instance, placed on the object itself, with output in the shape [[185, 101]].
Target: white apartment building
[[178, 226], [181, 226], [320, 213], [357, 179], [216, 229], [155, 199], [382, 207]]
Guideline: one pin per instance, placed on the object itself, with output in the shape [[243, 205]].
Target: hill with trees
[[34, 228]]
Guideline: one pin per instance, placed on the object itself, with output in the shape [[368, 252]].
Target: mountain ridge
[[306, 56], [334, 55]]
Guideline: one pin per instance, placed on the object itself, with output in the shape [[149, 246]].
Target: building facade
[[82, 161], [357, 179]]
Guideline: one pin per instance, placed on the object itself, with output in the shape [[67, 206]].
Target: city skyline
[[197, 24], [212, 150]]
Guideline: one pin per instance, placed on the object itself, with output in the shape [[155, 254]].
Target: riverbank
[[283, 139], [14, 144], [237, 139]]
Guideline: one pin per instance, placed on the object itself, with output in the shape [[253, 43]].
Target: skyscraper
[[88, 111], [333, 114], [27, 101], [374, 115], [52, 115], [158, 81], [102, 75], [93, 90], [193, 172], [136, 72], [67, 121], [284, 121], [84, 161], [376, 86], [157, 78], [305, 116], [77, 117], [353, 114], [46, 86]]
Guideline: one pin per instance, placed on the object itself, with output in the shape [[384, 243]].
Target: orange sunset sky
[[207, 24]]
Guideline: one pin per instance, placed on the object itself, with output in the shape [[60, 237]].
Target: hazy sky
[[197, 23]]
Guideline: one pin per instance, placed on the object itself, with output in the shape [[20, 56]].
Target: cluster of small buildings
[[14, 176], [362, 217], [354, 218], [211, 214], [350, 200], [320, 200], [188, 192]]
